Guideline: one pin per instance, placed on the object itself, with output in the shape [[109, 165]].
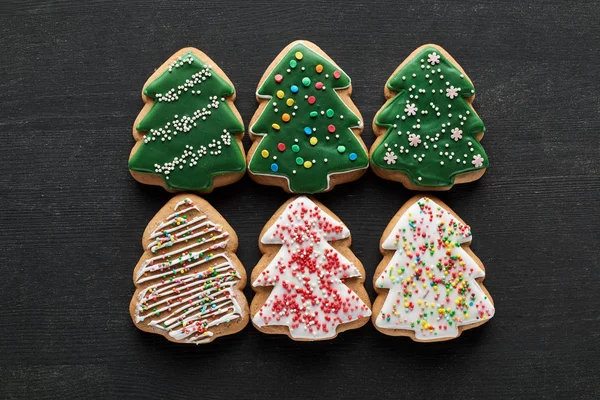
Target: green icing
[[431, 127], [190, 129], [288, 151]]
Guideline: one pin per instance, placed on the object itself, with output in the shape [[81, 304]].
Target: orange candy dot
[[285, 117], [319, 68]]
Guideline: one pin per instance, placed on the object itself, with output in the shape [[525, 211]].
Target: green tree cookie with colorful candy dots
[[306, 129]]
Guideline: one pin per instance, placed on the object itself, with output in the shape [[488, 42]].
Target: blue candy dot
[[352, 156], [307, 130], [294, 89], [274, 167]]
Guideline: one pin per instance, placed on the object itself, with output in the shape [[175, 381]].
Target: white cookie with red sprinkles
[[309, 285]]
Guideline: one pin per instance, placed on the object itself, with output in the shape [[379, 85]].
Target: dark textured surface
[[72, 217]]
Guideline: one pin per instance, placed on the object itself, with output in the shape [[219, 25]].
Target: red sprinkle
[[337, 74], [319, 85], [312, 100], [281, 147], [331, 128], [279, 77]]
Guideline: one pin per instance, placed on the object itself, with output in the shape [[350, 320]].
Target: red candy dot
[[331, 128], [337, 74], [319, 85], [279, 77], [312, 100], [281, 147]]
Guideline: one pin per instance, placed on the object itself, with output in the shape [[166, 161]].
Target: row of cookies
[[306, 130], [308, 284]]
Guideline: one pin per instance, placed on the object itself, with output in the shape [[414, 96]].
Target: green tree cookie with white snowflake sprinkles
[[428, 132], [306, 129], [189, 132]]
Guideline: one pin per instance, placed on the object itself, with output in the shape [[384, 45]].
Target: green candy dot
[[306, 82], [329, 112], [314, 114], [299, 160], [293, 63], [295, 148], [341, 149]]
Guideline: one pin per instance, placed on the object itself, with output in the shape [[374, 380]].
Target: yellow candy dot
[[299, 55], [319, 68], [307, 164], [280, 94], [276, 127], [285, 117], [314, 140], [289, 102], [264, 153]]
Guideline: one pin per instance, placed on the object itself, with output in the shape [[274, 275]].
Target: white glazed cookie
[[309, 285], [429, 282]]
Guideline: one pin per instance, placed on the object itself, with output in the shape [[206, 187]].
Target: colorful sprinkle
[[281, 146], [330, 113], [299, 55], [306, 81], [276, 127], [308, 130], [299, 160], [289, 102], [294, 89], [331, 128], [264, 153], [337, 74], [280, 94], [311, 99], [319, 85], [341, 149], [352, 156], [295, 148], [274, 167], [307, 164], [293, 63], [278, 78], [314, 114], [319, 68], [285, 117], [313, 140]]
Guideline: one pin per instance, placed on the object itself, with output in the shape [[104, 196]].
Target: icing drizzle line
[[191, 287]]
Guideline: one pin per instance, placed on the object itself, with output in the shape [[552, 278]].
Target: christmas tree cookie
[[429, 284], [308, 284], [306, 129], [189, 133], [189, 281], [428, 132]]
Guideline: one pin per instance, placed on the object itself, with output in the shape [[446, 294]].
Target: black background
[[71, 216]]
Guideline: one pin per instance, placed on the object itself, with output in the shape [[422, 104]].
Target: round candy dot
[[299, 160], [308, 130], [352, 156], [311, 99], [314, 114], [307, 164], [293, 63], [280, 94], [294, 89], [264, 153], [285, 117], [337, 74], [319, 68], [314, 140], [331, 128], [299, 55], [329, 112], [274, 167], [289, 102], [281, 146], [276, 127], [319, 85], [295, 148], [341, 149], [306, 81], [278, 78]]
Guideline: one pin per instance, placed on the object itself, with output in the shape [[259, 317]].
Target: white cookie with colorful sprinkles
[[309, 285], [429, 283]]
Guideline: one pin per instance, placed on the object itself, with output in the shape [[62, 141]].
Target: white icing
[[185, 297], [308, 273], [428, 310]]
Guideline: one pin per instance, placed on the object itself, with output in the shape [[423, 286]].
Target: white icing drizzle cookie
[[189, 279]]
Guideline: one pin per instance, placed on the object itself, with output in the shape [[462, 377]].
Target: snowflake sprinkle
[[390, 157], [414, 140], [456, 134], [477, 161], [433, 58], [411, 109], [452, 92]]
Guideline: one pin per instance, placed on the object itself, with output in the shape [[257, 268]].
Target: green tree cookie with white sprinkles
[[189, 133], [428, 132], [306, 129]]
